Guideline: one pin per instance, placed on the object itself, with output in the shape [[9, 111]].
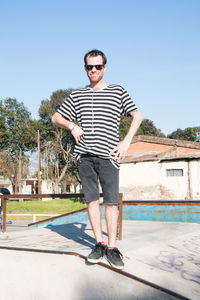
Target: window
[[174, 172]]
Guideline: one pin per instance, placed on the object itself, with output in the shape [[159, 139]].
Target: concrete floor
[[165, 254], [17, 226]]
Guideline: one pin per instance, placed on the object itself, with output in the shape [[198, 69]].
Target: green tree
[[21, 135], [187, 134], [146, 128], [9, 167], [3, 128], [48, 107], [56, 144]]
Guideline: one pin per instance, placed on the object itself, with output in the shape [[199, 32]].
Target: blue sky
[[153, 50]]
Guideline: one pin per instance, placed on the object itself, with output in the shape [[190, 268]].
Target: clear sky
[[152, 46]]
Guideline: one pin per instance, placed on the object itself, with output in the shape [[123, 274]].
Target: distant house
[[30, 186], [160, 168], [5, 182]]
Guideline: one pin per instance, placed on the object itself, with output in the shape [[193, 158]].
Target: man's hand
[[77, 133], [121, 150], [122, 147], [60, 121]]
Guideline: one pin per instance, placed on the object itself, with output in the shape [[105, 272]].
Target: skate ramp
[[161, 262]]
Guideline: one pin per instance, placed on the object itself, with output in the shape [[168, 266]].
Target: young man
[[98, 108]]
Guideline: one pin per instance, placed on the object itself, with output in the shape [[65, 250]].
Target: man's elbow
[[54, 118], [137, 116], [140, 118]]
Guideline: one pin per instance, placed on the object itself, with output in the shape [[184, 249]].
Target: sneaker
[[114, 257], [97, 253]]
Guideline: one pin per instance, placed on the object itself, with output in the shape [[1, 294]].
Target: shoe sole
[[94, 261], [114, 266]]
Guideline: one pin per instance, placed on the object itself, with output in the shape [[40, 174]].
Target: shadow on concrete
[[76, 232]]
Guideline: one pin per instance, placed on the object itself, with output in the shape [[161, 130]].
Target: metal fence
[[4, 198]]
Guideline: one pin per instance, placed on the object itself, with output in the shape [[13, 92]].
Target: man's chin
[[93, 80]]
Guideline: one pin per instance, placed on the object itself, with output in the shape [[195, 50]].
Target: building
[[5, 182], [160, 168]]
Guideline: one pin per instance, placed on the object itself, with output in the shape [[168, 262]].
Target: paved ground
[[166, 254], [17, 226]]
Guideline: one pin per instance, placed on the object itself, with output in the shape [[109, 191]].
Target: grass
[[55, 206]]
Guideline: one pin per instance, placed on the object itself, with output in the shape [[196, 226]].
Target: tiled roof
[[166, 141], [177, 150]]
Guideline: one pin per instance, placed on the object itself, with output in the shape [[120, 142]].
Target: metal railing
[[32, 215], [122, 203], [4, 198]]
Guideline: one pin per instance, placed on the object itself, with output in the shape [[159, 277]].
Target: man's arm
[[60, 121], [122, 147]]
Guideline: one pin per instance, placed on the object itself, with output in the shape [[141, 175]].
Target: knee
[[111, 207], [93, 203]]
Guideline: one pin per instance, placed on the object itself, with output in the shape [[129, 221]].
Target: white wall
[[46, 187], [176, 185], [149, 180], [26, 189], [140, 181], [195, 179], [72, 188]]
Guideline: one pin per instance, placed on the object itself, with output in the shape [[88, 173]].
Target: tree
[[48, 107], [3, 128], [147, 127], [188, 134], [20, 135], [9, 167], [56, 142], [19, 125]]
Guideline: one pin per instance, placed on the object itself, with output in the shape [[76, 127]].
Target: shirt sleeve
[[127, 104], [67, 109]]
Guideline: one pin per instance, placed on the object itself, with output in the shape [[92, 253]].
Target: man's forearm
[[60, 121], [121, 149], [135, 124]]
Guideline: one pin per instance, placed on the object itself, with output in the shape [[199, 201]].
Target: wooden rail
[[38, 196], [160, 202], [81, 195]]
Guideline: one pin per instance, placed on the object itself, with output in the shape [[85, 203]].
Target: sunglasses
[[97, 67]]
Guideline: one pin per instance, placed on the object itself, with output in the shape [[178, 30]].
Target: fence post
[[4, 214], [120, 215]]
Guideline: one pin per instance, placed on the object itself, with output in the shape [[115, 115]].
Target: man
[[98, 108]]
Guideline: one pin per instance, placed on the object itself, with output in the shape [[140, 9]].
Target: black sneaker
[[97, 253], [114, 257]]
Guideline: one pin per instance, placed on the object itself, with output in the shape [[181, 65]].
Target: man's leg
[[109, 179], [95, 219], [89, 180], [113, 255], [112, 213]]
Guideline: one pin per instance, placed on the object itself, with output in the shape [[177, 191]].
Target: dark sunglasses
[[90, 67]]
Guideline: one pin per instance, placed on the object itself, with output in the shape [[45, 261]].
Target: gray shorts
[[93, 168]]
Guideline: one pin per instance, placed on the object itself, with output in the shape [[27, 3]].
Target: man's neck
[[98, 85]]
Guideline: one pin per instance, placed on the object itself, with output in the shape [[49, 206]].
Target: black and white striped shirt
[[98, 113]]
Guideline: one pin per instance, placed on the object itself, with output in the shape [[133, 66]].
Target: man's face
[[95, 75]]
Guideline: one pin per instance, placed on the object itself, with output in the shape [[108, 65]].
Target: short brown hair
[[95, 52]]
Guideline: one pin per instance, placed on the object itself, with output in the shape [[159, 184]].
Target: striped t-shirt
[[98, 114]]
